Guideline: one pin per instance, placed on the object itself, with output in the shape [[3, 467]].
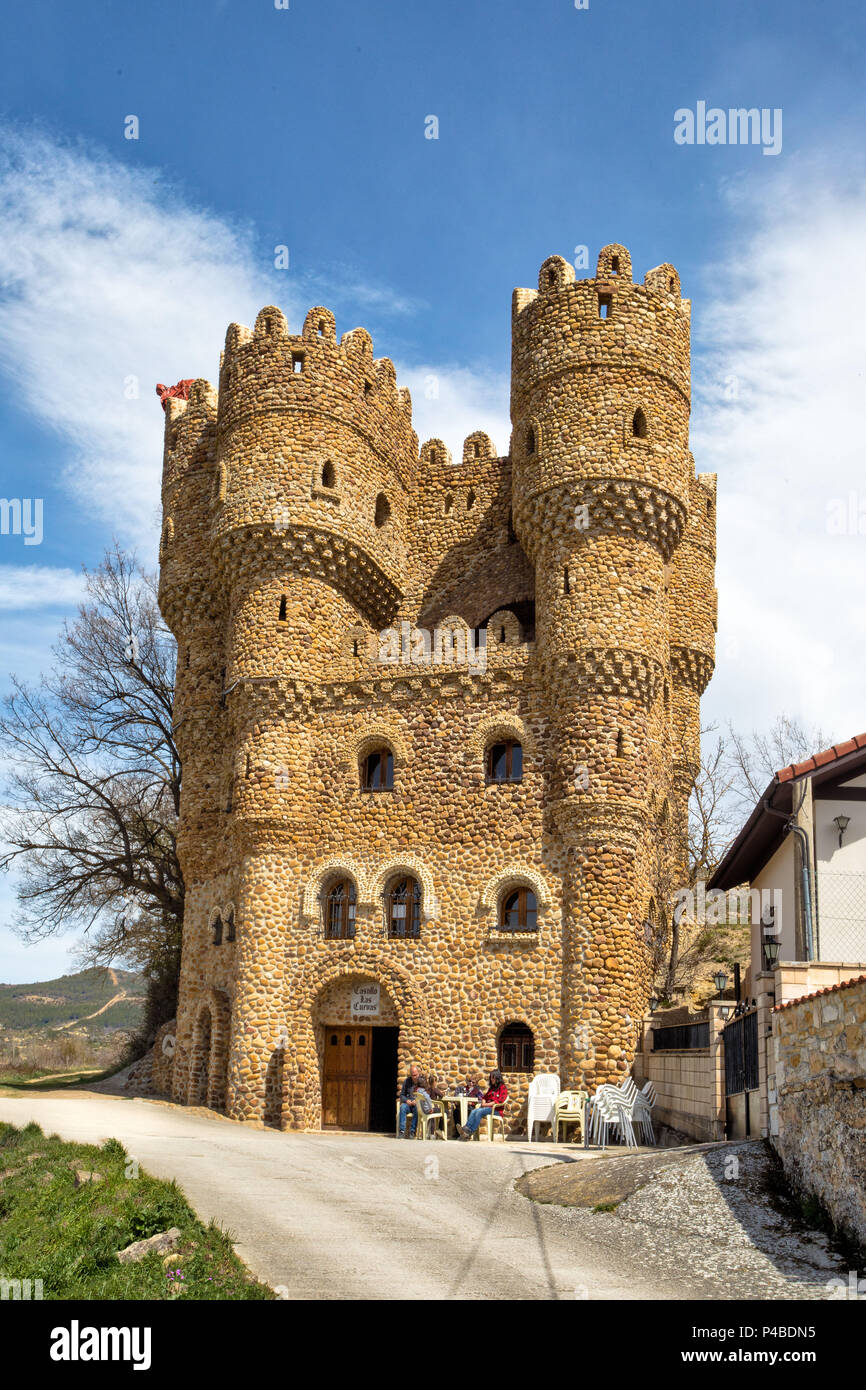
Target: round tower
[[315, 464], [600, 409]]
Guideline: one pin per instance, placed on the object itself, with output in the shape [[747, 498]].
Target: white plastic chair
[[641, 1111], [569, 1109], [437, 1115], [611, 1110], [543, 1091]]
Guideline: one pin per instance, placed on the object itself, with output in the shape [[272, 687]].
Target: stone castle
[[434, 715]]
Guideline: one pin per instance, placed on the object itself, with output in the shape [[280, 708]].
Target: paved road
[[369, 1216]]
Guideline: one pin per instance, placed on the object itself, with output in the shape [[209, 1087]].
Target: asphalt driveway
[[337, 1216]]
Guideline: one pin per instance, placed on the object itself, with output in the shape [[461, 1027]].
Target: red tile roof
[[831, 989], [830, 755]]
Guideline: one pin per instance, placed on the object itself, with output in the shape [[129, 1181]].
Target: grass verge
[[67, 1231]]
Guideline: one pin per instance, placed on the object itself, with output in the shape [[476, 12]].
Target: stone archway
[[208, 1069], [401, 1006]]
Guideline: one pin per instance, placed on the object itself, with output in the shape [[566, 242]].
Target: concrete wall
[[690, 1090], [817, 1100]]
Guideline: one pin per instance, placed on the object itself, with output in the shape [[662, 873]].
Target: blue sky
[[124, 260]]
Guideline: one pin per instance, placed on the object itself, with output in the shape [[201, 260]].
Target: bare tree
[[92, 788], [753, 759]]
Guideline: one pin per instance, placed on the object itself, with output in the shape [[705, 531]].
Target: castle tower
[[495, 891], [603, 490]]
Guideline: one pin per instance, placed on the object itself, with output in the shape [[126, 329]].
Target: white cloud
[[108, 277], [451, 402], [780, 339], [39, 586]]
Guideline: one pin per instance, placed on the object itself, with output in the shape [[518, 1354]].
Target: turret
[[602, 475]]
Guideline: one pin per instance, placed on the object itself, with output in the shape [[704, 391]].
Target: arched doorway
[[201, 1058], [358, 1029]]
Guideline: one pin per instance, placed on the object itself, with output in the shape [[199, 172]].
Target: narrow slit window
[[297, 363], [284, 603], [620, 744], [566, 581], [605, 306]]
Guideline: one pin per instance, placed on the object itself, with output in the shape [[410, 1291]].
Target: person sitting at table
[[493, 1100], [407, 1099]]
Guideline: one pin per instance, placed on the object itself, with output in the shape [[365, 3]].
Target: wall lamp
[[841, 824], [720, 980]]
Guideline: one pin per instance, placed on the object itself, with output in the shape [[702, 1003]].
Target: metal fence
[[741, 1054], [841, 915], [681, 1037]]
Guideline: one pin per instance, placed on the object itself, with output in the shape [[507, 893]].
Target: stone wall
[[818, 1100]]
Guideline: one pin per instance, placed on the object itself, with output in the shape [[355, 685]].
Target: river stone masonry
[[331, 587]]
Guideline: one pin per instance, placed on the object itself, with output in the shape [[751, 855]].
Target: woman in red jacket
[[493, 1100]]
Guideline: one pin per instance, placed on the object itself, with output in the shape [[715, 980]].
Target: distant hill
[[94, 1000]]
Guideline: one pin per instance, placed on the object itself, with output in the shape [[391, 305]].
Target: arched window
[[639, 424], [403, 907], [230, 925], [218, 930], [329, 475], [377, 771], [530, 440], [518, 910], [505, 761], [340, 905], [516, 1048], [383, 509]]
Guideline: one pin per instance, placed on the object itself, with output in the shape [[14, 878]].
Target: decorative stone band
[[322, 554], [587, 823], [611, 670], [601, 504], [286, 694], [691, 668]]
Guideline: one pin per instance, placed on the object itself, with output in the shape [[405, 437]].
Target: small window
[[347, 1041], [218, 930], [476, 450], [377, 771], [355, 647], [334, 1040], [605, 306], [383, 509], [620, 744], [530, 441], [470, 500], [516, 1048], [269, 325], [519, 911], [297, 363], [449, 503], [672, 284], [368, 386], [329, 475], [551, 278], [403, 908], [614, 265], [639, 424], [321, 329], [340, 908], [505, 762], [230, 926], [566, 581], [284, 603]]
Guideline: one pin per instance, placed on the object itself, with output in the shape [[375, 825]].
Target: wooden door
[[346, 1085]]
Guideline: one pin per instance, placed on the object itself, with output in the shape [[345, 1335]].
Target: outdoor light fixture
[[653, 1004], [841, 824], [725, 1011], [771, 953], [720, 980]]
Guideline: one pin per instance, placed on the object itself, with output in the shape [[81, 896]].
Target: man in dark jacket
[[407, 1100]]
